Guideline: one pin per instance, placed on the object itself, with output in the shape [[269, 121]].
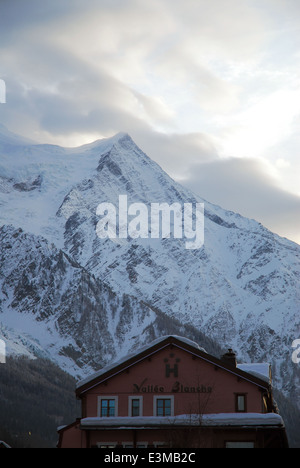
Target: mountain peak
[[125, 153], [123, 136], [126, 142]]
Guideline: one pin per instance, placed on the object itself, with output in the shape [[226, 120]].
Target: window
[[106, 445], [160, 445], [239, 444], [163, 406], [135, 406], [138, 445], [107, 407], [241, 403]]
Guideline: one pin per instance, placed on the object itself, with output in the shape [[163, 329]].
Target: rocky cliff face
[[52, 307]]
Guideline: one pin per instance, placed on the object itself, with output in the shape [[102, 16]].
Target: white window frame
[[107, 444], [158, 443], [240, 444], [108, 397], [163, 397], [127, 443], [145, 444], [130, 398], [142, 443]]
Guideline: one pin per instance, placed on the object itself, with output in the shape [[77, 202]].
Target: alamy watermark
[[2, 352], [158, 221], [296, 353], [2, 92]]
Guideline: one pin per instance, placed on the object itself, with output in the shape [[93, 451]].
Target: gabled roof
[[143, 353]]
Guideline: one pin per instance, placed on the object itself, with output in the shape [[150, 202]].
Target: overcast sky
[[208, 89]]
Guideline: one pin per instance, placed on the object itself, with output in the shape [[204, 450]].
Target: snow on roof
[[260, 370], [135, 353], [221, 419]]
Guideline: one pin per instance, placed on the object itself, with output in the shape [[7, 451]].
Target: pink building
[[173, 394]]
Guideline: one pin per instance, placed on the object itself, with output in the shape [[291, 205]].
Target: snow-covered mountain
[[52, 307], [241, 288]]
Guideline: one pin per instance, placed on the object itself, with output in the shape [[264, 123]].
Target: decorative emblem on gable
[[172, 365]]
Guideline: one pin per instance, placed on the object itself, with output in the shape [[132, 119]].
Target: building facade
[[173, 394]]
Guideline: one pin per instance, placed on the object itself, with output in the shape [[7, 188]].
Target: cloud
[[152, 60], [190, 81], [175, 153], [250, 188]]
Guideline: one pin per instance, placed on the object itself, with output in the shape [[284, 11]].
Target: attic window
[[241, 403]]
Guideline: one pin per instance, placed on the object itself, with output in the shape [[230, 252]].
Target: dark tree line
[[35, 398]]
